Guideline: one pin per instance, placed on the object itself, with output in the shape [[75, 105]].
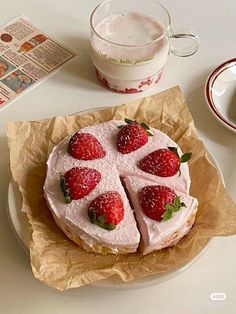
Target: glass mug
[[131, 41]]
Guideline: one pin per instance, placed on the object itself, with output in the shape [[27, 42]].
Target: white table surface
[[75, 88]]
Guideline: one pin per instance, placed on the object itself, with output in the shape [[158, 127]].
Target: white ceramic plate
[[20, 228], [220, 93]]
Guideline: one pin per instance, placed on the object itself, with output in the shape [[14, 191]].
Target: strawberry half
[[163, 162], [132, 136], [85, 146], [79, 182], [159, 202], [107, 210]]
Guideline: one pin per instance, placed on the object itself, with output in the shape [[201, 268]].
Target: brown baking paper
[[60, 263]]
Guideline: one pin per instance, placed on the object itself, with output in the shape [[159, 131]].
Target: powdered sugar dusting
[[161, 162], [85, 146], [130, 138], [110, 206], [80, 181], [154, 198]]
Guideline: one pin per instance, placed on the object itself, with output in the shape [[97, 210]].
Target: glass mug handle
[[184, 43]]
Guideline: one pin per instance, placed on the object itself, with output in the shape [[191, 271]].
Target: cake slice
[[160, 229]]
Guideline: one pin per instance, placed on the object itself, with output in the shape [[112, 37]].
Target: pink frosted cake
[[85, 192]]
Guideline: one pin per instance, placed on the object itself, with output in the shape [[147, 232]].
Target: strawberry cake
[[119, 187]]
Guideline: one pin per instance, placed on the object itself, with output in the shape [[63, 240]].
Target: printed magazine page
[[27, 56]]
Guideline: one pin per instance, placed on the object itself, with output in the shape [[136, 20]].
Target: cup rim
[[125, 45]]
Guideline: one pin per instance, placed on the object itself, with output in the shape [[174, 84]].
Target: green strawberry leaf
[[120, 126], [172, 208], [174, 150], [166, 215], [177, 202], [169, 207], [176, 209], [64, 189], [68, 199], [149, 133], [109, 227], [185, 157], [92, 215], [144, 126], [100, 221], [128, 121]]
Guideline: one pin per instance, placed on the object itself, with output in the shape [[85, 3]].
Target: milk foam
[[130, 29]]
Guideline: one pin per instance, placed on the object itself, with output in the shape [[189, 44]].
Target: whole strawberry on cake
[[95, 175]]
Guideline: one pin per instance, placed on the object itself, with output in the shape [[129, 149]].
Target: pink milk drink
[[131, 42]]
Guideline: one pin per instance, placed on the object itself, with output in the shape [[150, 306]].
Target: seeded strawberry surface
[[85, 146], [154, 198], [131, 137], [162, 162], [79, 182], [107, 210]]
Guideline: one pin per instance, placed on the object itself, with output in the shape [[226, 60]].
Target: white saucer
[[220, 93], [21, 230]]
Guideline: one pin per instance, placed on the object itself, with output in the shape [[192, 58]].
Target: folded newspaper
[[27, 57]]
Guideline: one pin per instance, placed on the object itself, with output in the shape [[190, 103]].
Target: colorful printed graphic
[[1, 101], [128, 87], [17, 81], [5, 67], [32, 55], [33, 42], [6, 38]]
